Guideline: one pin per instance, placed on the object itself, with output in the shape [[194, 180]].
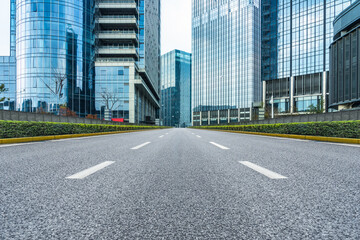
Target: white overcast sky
[[175, 26]]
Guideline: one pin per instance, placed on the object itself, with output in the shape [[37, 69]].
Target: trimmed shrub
[[17, 129], [343, 129]]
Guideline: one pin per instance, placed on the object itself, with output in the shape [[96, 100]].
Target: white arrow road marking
[[264, 171], [89, 171]]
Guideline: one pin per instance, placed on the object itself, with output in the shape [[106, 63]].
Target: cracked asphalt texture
[[180, 187]]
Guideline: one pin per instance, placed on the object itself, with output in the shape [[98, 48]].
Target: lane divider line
[[140, 146], [264, 171], [161, 136], [220, 146], [89, 171], [198, 136], [18, 144]]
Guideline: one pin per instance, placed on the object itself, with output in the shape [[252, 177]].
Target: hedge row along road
[[16, 129], [343, 129]]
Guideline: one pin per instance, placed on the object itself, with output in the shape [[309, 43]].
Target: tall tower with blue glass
[[296, 36], [127, 60], [8, 65], [226, 60], [176, 89], [54, 53]]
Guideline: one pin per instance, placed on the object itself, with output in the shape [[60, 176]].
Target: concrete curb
[[56, 137], [304, 137]]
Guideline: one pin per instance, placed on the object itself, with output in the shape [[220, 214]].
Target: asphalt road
[[179, 184]]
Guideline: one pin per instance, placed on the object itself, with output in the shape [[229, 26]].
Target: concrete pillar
[[228, 115], [263, 96], [292, 92], [251, 114], [239, 116], [218, 118], [209, 119], [324, 90]]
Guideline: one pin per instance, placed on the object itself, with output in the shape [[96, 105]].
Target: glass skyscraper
[[226, 45], [296, 36], [176, 89], [8, 65], [54, 54]]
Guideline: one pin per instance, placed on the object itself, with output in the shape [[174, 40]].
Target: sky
[[175, 26]]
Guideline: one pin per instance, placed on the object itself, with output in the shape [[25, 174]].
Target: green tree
[[2, 90], [319, 108]]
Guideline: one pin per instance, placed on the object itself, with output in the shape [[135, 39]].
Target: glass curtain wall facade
[[127, 59], [55, 53], [296, 36], [149, 63], [345, 60], [176, 89], [8, 65], [226, 43]]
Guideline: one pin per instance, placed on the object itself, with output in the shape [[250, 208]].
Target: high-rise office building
[[54, 54], [296, 36], [226, 60], [344, 82], [176, 89], [8, 65], [128, 60]]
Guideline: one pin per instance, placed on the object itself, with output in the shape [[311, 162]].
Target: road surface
[[179, 184]]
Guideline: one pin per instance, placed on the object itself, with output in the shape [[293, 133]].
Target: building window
[[34, 7]]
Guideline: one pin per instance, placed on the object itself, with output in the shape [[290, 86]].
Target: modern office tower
[[176, 89], [8, 65], [226, 60], [127, 60], [296, 36], [345, 60], [54, 54]]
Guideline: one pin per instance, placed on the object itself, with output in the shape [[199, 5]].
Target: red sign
[[117, 119]]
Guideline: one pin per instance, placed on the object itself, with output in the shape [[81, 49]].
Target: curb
[[57, 137], [304, 137]]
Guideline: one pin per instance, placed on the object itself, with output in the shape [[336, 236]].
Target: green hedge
[[343, 129], [16, 129]]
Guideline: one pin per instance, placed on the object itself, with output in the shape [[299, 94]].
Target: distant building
[[176, 89], [127, 65], [345, 60], [8, 65], [296, 36], [226, 48]]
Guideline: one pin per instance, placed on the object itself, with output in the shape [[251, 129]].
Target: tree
[[2, 90], [319, 108], [56, 83], [109, 99]]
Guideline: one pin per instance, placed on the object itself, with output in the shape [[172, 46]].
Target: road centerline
[[220, 146], [89, 171], [264, 171], [140, 146]]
